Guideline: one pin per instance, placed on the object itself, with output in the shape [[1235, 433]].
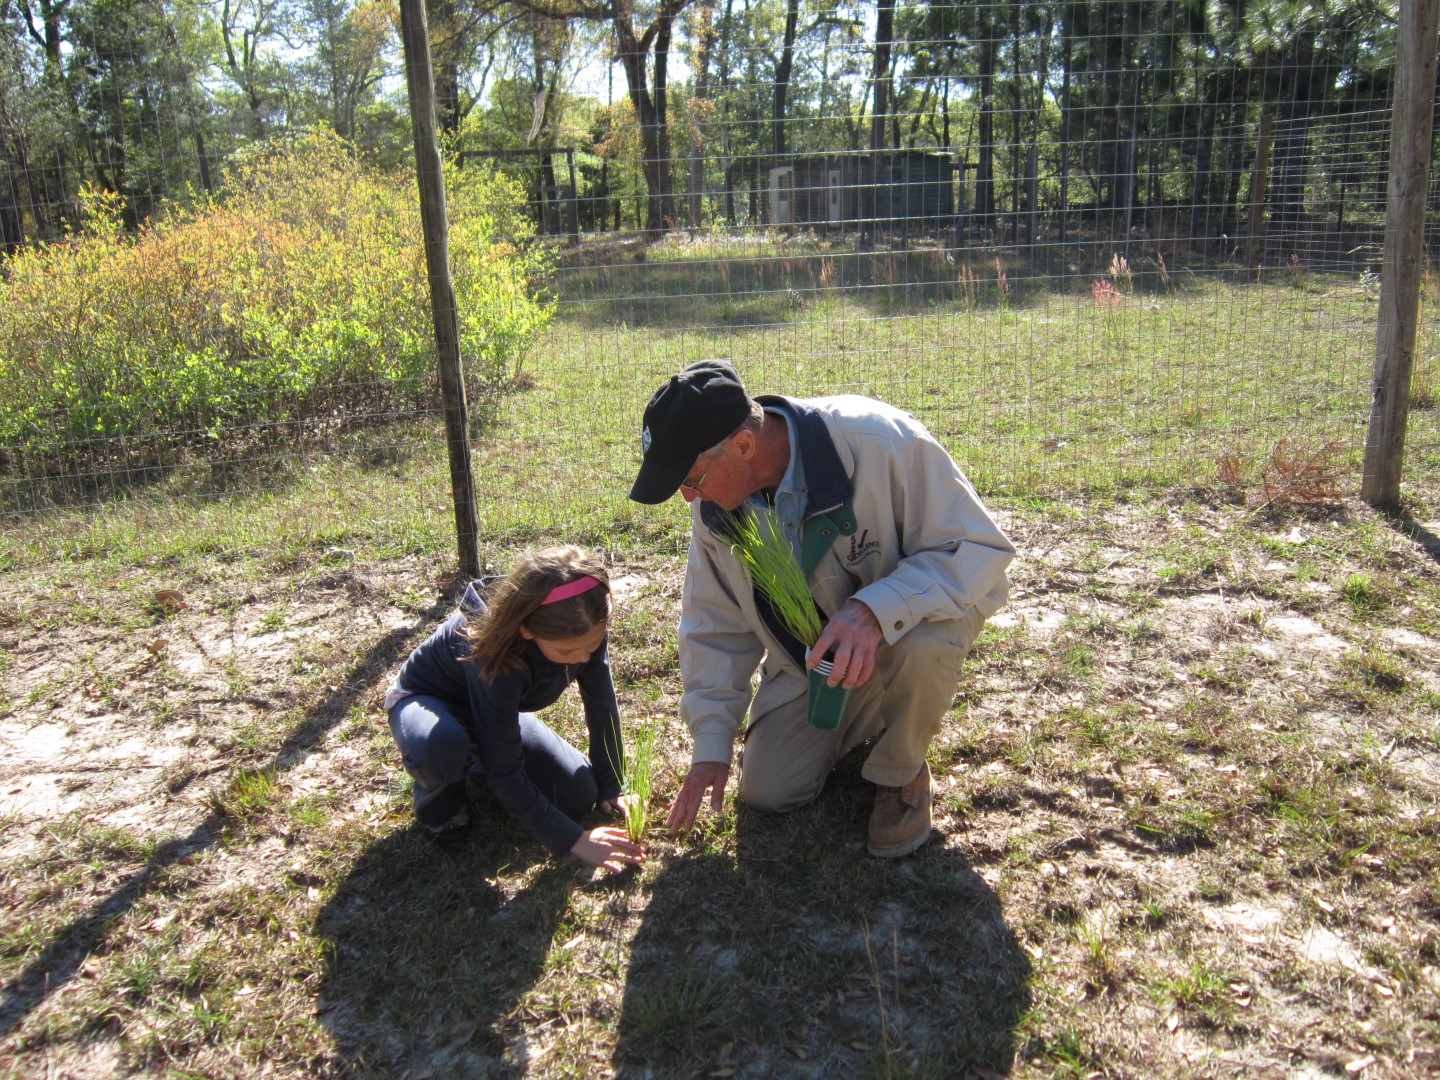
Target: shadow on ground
[[1401, 521], [59, 961], [795, 954], [426, 956]]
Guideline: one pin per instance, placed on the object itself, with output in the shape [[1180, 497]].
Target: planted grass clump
[[249, 792], [642, 763]]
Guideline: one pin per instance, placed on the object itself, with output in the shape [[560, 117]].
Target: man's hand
[[853, 635], [703, 776]]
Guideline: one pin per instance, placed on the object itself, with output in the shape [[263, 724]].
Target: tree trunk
[[1066, 59], [1204, 155], [985, 133], [12, 232], [632, 62], [922, 113], [1016, 108], [51, 14], [447, 70], [1292, 147], [668, 216], [884, 37], [727, 163], [541, 136], [198, 136], [699, 109], [945, 117], [782, 81], [649, 111]]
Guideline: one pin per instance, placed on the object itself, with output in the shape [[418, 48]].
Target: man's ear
[[743, 443]]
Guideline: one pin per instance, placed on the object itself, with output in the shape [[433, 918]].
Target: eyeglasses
[[694, 488]]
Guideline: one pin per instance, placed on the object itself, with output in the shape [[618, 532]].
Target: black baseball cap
[[692, 412]]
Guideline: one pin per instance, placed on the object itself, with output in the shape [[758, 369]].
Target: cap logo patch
[[645, 440]]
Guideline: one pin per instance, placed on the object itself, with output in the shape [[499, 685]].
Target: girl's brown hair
[[519, 600]]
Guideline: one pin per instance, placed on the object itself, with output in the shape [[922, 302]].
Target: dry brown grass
[[1301, 475]]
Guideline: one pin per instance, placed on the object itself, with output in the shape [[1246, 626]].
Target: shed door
[[782, 195], [834, 206]]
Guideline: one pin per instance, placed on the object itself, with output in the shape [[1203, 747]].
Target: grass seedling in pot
[[769, 561]]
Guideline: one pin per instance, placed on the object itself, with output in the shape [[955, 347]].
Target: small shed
[[913, 186]]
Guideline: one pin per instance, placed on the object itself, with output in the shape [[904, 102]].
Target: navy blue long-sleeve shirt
[[490, 710]]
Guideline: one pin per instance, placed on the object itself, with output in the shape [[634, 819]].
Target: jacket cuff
[[561, 836], [890, 608], [712, 746]]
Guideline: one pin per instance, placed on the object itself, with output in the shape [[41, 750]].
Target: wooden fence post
[[415, 37], [1410, 128]]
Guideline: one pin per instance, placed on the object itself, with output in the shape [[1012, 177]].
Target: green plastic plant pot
[[825, 705]]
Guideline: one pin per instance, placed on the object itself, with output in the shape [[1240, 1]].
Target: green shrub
[[294, 301]]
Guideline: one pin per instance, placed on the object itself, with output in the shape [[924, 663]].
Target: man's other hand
[[704, 776]]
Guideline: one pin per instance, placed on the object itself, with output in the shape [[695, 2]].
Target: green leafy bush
[[294, 302]]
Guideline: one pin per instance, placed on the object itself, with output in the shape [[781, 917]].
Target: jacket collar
[[825, 473]]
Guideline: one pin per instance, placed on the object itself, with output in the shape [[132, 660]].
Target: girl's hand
[[621, 804], [609, 848]]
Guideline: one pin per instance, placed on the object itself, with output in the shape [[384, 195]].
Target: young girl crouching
[[465, 702]]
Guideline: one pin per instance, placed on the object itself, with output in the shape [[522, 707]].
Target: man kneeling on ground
[[903, 562]]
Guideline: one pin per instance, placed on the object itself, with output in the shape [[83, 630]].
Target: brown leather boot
[[900, 822]]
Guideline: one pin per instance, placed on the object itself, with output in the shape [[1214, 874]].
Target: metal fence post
[[415, 35], [1410, 130]]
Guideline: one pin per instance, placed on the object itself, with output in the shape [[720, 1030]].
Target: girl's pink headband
[[569, 589]]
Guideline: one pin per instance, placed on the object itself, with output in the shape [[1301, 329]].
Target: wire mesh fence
[[1092, 246]]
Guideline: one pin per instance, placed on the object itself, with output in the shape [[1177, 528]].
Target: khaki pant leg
[[917, 689], [785, 761]]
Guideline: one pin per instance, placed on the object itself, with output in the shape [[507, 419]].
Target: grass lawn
[[1188, 813]]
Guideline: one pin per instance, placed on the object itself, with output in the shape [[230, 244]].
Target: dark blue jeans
[[438, 755]]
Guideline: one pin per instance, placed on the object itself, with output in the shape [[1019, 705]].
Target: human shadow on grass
[[427, 956], [59, 961], [784, 949]]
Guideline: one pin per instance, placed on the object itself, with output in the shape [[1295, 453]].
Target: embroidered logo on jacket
[[860, 549]]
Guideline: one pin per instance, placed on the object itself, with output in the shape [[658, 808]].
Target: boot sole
[[904, 847]]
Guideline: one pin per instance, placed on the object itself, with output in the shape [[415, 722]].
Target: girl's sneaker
[[452, 835]]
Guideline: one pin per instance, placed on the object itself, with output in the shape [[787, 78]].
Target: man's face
[[723, 477], [693, 486]]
